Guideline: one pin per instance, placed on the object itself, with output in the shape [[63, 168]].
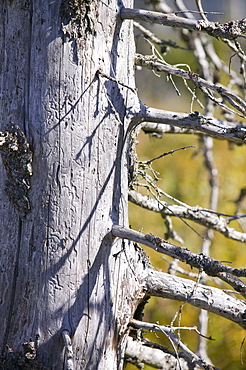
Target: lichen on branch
[[230, 30]]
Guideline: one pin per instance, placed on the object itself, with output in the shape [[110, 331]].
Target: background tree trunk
[[61, 271]]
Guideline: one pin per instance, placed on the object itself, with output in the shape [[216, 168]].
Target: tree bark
[[66, 283]]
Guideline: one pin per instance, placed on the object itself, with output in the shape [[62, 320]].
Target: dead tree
[[74, 280], [65, 294]]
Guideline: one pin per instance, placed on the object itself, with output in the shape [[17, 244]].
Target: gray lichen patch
[[230, 30], [78, 17], [17, 160]]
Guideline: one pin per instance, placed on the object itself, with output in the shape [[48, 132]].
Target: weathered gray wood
[[230, 30], [209, 298], [61, 272]]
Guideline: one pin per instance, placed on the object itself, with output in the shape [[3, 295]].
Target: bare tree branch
[[200, 261], [230, 30], [157, 358], [153, 357], [200, 8], [162, 43], [207, 241], [153, 63], [157, 122], [214, 127], [158, 129], [212, 299], [237, 284], [196, 214]]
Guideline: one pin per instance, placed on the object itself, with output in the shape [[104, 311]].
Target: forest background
[[184, 176]]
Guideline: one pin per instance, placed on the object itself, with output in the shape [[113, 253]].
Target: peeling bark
[[17, 160]]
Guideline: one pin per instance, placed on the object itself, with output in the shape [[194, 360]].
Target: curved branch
[[196, 214], [68, 362], [212, 299], [229, 31]]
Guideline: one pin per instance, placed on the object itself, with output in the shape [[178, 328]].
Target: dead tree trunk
[[72, 277], [63, 276]]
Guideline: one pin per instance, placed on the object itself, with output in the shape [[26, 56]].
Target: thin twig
[[202, 216], [101, 73], [205, 86], [169, 332], [167, 153], [150, 35]]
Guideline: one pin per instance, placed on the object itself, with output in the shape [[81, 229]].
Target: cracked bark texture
[[60, 272]]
